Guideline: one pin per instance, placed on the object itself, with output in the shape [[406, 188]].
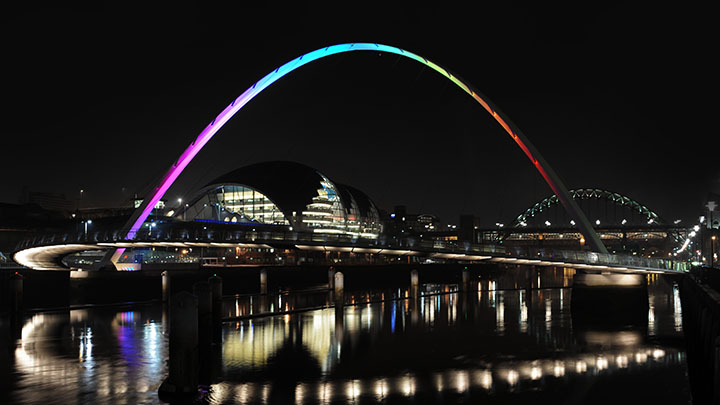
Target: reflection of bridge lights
[[559, 369], [325, 392], [580, 367], [640, 357], [244, 393], [658, 353], [381, 389], [483, 378], [535, 373], [621, 361], [461, 381], [353, 389], [601, 363], [512, 377], [439, 382], [408, 386]]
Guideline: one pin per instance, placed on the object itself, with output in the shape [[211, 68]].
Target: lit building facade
[[285, 194]]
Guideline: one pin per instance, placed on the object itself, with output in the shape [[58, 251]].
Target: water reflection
[[491, 339], [499, 337], [90, 357]]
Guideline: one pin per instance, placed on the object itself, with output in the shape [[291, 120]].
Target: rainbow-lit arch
[[144, 210]]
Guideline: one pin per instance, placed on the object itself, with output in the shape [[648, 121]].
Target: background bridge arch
[[633, 207], [149, 202]]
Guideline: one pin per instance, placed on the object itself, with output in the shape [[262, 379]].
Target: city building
[[285, 194]]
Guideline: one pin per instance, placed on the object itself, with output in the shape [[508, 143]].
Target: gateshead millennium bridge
[[46, 252]]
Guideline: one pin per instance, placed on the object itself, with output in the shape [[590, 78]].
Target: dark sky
[[105, 98]]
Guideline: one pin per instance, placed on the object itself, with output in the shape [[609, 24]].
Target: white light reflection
[[601, 363], [500, 314], [512, 377], [462, 381], [483, 378], [325, 392], [244, 393], [353, 389], [651, 320], [535, 373], [523, 312], [621, 361], [677, 308], [407, 385], [439, 382], [381, 389]]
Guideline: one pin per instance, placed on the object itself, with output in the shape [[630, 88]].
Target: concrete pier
[[339, 283], [16, 294], [165, 286], [610, 299], [216, 288], [182, 379], [263, 281], [331, 277]]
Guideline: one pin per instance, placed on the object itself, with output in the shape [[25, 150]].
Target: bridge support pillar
[[165, 286], [609, 299], [465, 278], [16, 294], [414, 284], [216, 288], [182, 380], [339, 284], [203, 293], [263, 281], [204, 296], [331, 277]]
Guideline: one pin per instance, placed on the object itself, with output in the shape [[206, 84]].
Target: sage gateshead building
[[284, 194]]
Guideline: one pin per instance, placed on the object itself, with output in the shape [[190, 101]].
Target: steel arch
[[587, 193], [149, 202]]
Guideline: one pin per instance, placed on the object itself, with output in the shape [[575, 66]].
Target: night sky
[[105, 99]]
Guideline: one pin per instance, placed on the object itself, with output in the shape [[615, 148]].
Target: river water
[[500, 342]]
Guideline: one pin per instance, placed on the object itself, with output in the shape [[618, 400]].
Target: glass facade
[[329, 208], [325, 213], [236, 204]]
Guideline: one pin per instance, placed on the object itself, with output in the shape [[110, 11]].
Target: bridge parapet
[[599, 259], [444, 250]]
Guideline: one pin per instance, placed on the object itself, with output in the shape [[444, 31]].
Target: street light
[[712, 251], [89, 221]]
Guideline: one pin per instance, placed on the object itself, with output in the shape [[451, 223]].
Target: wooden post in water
[[182, 378], [216, 289]]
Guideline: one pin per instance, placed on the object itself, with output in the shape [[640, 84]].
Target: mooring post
[[465, 278], [216, 289], [263, 281], [182, 377], [165, 286]]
